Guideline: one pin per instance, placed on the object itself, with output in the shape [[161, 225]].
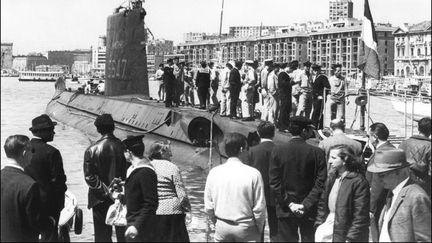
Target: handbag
[[116, 215]]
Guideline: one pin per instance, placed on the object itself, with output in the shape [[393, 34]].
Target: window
[[418, 52]]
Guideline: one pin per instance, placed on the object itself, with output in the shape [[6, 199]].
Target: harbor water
[[22, 101]]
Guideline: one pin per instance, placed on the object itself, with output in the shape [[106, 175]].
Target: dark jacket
[[168, 76], [203, 78], [234, 80], [378, 193], [418, 153], [410, 218], [284, 84], [21, 218], [103, 162], [297, 174], [352, 208], [141, 202], [46, 168], [259, 158], [320, 82]]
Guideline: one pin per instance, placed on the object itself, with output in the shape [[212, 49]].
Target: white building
[[99, 56]]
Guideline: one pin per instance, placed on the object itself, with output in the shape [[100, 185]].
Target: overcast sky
[[42, 25]]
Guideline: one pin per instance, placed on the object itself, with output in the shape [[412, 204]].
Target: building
[[193, 37], [282, 48], [52, 68], [28, 63], [68, 57], [325, 47], [344, 46], [99, 57], [160, 47], [340, 9], [6, 55], [248, 31], [412, 50]]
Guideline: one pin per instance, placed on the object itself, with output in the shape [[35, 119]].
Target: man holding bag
[[103, 162]]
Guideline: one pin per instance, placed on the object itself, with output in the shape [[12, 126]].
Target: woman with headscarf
[[344, 216], [173, 200]]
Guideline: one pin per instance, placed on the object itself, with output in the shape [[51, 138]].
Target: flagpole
[[363, 107]]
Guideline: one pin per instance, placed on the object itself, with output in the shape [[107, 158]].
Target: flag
[[370, 65]]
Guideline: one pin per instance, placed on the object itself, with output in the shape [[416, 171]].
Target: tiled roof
[[422, 26]]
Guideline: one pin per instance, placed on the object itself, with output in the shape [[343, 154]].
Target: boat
[[127, 99], [39, 76], [418, 107]]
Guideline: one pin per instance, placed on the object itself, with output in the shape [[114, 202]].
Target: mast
[[220, 33]]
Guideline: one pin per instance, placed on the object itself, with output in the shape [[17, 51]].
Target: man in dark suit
[[21, 217], [378, 135], [234, 86], [285, 98], [319, 84], [169, 80], [104, 161], [46, 168], [297, 174], [259, 158]]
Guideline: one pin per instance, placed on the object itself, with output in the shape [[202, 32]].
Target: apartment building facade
[[340, 9], [412, 50]]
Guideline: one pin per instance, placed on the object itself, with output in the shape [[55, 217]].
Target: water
[[22, 101]]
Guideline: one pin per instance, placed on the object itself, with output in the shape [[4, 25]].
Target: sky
[[42, 25]]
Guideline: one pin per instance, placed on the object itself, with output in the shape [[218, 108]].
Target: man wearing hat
[[297, 173], [406, 217], [234, 87], [46, 168], [103, 161], [319, 84], [285, 97], [295, 75], [169, 81], [248, 89], [140, 192], [305, 98], [263, 77]]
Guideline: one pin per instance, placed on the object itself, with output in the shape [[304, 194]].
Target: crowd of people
[[284, 89], [323, 193]]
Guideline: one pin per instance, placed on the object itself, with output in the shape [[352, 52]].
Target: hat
[[268, 61], [337, 65], [249, 62], [283, 65], [316, 67], [170, 60], [302, 121], [132, 141], [104, 120], [231, 63], [307, 64], [293, 64], [388, 160], [41, 122]]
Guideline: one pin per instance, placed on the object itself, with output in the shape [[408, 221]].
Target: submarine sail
[[126, 56]]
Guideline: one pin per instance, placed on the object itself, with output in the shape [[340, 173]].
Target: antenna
[[220, 33]]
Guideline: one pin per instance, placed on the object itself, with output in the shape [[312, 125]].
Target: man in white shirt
[[248, 89], [234, 196], [406, 217], [263, 75], [272, 94]]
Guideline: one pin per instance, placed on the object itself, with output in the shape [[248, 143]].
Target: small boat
[[421, 107], [39, 76], [70, 215]]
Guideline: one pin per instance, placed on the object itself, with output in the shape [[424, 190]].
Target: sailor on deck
[[248, 92]]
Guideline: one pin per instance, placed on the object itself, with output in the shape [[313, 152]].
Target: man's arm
[[58, 179], [314, 195], [421, 218], [275, 177], [90, 171], [208, 199], [259, 209]]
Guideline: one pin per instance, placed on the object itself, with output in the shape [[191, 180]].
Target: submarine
[[196, 135]]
